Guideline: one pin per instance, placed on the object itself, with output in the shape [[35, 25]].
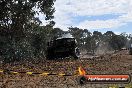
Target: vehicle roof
[[65, 36]]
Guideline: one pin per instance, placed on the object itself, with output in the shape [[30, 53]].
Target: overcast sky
[[99, 15]]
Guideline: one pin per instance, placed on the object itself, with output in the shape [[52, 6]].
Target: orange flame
[[81, 71]]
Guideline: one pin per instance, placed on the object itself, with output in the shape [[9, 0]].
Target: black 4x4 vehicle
[[61, 48]]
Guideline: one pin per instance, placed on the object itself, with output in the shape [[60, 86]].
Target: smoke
[[103, 48]]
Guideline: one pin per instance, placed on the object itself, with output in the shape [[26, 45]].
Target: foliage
[[117, 42], [20, 32], [21, 35], [92, 41]]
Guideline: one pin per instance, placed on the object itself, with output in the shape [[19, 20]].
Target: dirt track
[[118, 63]]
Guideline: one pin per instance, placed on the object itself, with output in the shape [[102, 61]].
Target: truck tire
[[76, 54], [49, 56]]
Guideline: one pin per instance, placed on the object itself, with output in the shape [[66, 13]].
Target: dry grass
[[119, 63]]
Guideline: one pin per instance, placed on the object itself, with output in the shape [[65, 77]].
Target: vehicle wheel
[[76, 53], [49, 57]]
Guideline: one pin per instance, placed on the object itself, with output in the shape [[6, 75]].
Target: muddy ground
[[117, 63]]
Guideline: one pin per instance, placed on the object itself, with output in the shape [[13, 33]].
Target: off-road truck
[[62, 47]]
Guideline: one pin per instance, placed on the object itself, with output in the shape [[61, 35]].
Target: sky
[[94, 15]]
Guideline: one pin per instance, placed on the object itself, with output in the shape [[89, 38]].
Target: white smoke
[[103, 48]]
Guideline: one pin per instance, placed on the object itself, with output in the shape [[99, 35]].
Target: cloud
[[66, 10], [99, 24], [126, 18]]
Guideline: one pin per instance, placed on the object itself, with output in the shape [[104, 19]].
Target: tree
[[16, 16], [18, 23], [56, 32], [87, 40], [108, 35], [118, 41], [77, 34], [97, 36]]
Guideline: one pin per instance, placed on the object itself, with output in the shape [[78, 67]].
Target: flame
[[81, 71]]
